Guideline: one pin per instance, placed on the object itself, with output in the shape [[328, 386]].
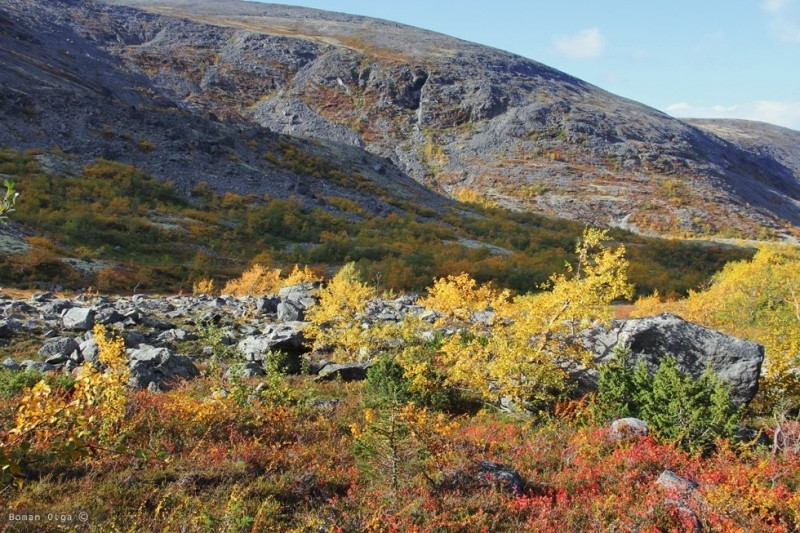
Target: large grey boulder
[[149, 364], [78, 318], [695, 348]]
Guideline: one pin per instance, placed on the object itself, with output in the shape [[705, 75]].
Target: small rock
[[290, 312], [78, 318], [343, 371], [495, 474], [624, 427], [672, 481], [10, 364], [58, 350]]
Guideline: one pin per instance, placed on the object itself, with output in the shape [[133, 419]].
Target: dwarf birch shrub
[[519, 353]]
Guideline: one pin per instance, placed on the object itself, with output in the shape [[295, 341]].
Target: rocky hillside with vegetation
[[200, 91]]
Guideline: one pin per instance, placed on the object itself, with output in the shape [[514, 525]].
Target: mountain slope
[[455, 114], [62, 87], [450, 114]]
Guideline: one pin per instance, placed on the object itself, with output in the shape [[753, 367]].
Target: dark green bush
[[677, 407]]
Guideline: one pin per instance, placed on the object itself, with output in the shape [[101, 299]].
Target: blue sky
[[701, 58]]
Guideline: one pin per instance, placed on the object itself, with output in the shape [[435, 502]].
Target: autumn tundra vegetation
[[466, 421]]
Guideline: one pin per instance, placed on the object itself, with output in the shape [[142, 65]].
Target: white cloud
[[773, 6], [785, 114], [784, 20], [586, 44]]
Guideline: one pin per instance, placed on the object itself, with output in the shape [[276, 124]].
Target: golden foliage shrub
[[471, 196], [335, 321], [520, 354], [203, 286], [68, 423], [259, 280]]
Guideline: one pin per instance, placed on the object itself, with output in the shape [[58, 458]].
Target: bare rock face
[[695, 348]]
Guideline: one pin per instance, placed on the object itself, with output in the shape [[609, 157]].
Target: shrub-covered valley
[[265, 268]]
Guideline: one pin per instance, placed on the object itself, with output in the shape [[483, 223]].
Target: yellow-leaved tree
[[521, 353], [759, 300], [335, 323]]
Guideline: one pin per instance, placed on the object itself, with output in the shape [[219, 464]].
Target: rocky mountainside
[[195, 90]]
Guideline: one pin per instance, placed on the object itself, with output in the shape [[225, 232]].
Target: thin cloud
[[786, 114], [586, 44], [784, 20], [773, 6]]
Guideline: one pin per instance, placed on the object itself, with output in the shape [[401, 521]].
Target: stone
[[78, 318], [58, 350], [625, 427], [289, 311], [300, 295], [496, 474], [39, 366], [133, 338], [176, 335], [673, 482], [90, 351], [10, 364], [149, 364], [266, 305], [737, 362], [5, 329], [343, 371], [54, 308], [286, 338], [109, 315]]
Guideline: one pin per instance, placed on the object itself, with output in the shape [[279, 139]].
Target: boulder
[[482, 475], [300, 295], [149, 364], [78, 318], [343, 371], [58, 350], [289, 311], [286, 338], [90, 351], [109, 315], [5, 329], [737, 362], [267, 305], [39, 366]]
